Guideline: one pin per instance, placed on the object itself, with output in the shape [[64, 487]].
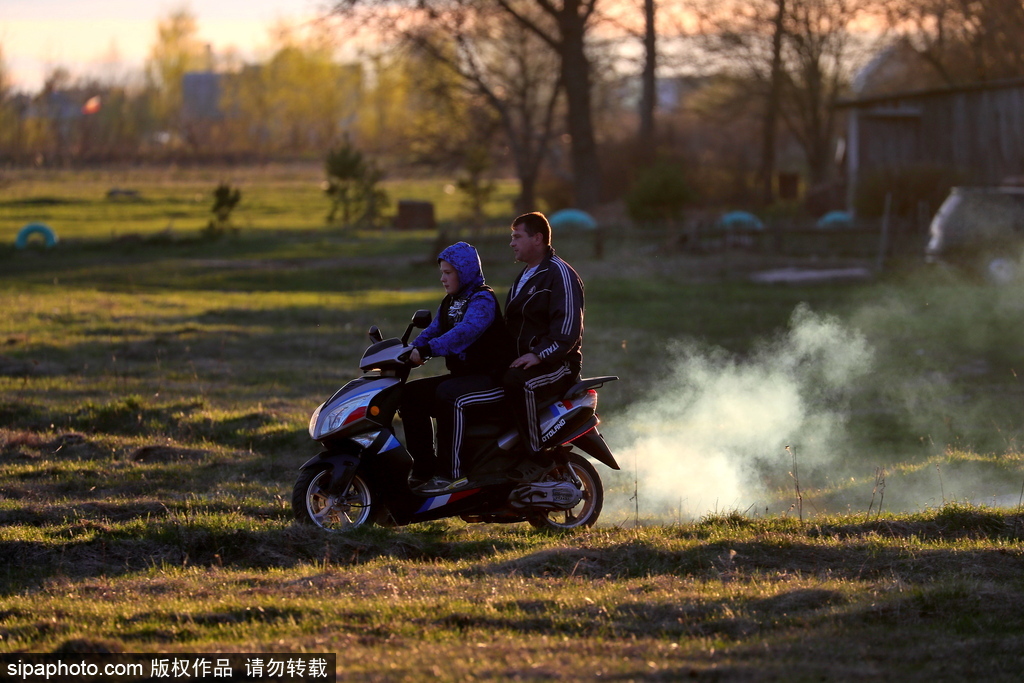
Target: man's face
[[527, 248]]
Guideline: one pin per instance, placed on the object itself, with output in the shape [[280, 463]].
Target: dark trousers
[[451, 401], [525, 388]]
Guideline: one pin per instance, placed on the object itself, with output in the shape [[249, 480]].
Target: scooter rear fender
[[592, 443]]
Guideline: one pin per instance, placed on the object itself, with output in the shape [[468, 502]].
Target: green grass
[[933, 595], [154, 394], [175, 203]]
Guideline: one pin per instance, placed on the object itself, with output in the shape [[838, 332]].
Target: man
[[544, 315]]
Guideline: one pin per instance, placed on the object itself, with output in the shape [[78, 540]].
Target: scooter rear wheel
[[587, 511], [312, 504]]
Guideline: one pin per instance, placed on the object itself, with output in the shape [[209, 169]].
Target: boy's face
[[449, 277]]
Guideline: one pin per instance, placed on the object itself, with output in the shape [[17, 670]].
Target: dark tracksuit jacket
[[545, 317]]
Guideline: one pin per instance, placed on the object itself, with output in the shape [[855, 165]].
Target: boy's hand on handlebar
[[527, 360], [415, 357]]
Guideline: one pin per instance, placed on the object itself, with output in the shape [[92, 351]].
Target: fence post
[[883, 240]]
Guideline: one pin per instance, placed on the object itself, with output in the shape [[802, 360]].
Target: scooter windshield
[[383, 355]]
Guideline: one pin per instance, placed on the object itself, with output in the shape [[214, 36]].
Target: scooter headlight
[[313, 419], [347, 413]]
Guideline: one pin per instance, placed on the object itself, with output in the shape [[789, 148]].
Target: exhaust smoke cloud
[[717, 424], [921, 384]]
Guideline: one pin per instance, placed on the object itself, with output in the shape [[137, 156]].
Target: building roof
[[873, 100]]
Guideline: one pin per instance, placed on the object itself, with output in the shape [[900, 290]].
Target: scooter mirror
[[375, 334], [421, 318]]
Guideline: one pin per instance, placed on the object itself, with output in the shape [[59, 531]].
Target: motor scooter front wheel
[[313, 504], [586, 512]]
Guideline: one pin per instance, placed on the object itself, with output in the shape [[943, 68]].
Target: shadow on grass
[[231, 538], [186, 420], [91, 548], [863, 560], [161, 260]]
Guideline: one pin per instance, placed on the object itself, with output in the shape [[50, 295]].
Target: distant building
[[976, 130], [200, 96]]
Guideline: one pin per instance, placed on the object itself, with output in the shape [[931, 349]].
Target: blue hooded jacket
[[467, 317]]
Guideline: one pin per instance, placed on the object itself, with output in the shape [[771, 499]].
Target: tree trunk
[[571, 18], [576, 80], [527, 199], [772, 109], [648, 98]]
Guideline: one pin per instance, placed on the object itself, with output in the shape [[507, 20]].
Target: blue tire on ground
[[835, 219], [740, 220], [572, 219], [49, 236]]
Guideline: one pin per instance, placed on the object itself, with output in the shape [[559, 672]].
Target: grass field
[[155, 388], [130, 203]]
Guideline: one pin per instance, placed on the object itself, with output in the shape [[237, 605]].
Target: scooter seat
[[485, 430]]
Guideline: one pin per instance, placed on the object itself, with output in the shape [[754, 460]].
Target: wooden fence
[[865, 239]]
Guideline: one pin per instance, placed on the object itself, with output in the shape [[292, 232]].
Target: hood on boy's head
[[466, 262]]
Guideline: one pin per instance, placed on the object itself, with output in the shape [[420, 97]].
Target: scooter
[[363, 474]]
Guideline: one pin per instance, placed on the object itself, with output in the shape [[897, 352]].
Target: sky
[[112, 37]]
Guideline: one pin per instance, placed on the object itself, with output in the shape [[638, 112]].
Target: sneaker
[[441, 485]]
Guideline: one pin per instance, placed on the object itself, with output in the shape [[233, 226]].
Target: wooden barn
[[976, 131]]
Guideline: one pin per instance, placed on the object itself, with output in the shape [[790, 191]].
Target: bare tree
[[771, 109], [649, 85], [563, 26], [177, 50], [798, 55], [817, 45], [638, 20], [963, 41], [510, 70], [497, 61], [11, 126]]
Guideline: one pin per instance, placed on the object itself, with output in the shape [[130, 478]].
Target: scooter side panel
[[388, 464], [562, 421], [386, 467], [483, 500], [388, 472]]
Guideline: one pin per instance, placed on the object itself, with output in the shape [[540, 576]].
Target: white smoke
[[717, 420]]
